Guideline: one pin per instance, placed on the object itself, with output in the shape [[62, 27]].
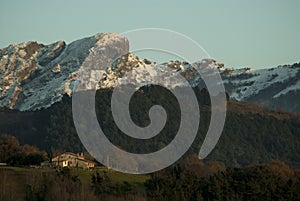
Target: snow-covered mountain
[[275, 88], [34, 76]]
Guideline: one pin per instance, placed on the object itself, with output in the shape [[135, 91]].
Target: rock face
[[275, 88], [34, 76], [16, 65]]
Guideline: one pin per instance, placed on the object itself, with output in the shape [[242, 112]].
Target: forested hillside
[[251, 134]]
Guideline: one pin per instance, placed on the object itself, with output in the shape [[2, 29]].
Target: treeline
[[187, 180], [248, 137], [12, 153], [271, 182]]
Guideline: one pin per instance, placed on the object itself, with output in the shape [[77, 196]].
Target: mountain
[[275, 88], [36, 106], [35, 76]]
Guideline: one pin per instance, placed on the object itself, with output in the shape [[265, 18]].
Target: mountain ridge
[[35, 76]]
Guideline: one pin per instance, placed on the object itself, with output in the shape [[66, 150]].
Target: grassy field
[[84, 175], [26, 169], [136, 181]]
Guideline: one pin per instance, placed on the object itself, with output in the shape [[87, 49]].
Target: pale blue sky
[[239, 33]]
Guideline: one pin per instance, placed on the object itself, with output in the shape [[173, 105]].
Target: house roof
[[73, 154], [68, 153], [85, 160]]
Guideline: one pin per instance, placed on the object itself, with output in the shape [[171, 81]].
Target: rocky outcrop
[[34, 76]]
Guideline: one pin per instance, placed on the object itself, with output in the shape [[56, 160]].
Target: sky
[[239, 33]]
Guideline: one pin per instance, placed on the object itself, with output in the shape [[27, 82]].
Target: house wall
[[72, 160]]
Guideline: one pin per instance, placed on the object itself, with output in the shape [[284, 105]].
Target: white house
[[69, 159]]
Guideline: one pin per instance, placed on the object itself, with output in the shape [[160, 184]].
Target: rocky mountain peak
[[34, 76]]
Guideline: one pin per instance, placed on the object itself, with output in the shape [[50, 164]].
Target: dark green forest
[[251, 135]]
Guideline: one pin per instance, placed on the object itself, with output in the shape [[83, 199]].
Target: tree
[[9, 145], [13, 153]]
